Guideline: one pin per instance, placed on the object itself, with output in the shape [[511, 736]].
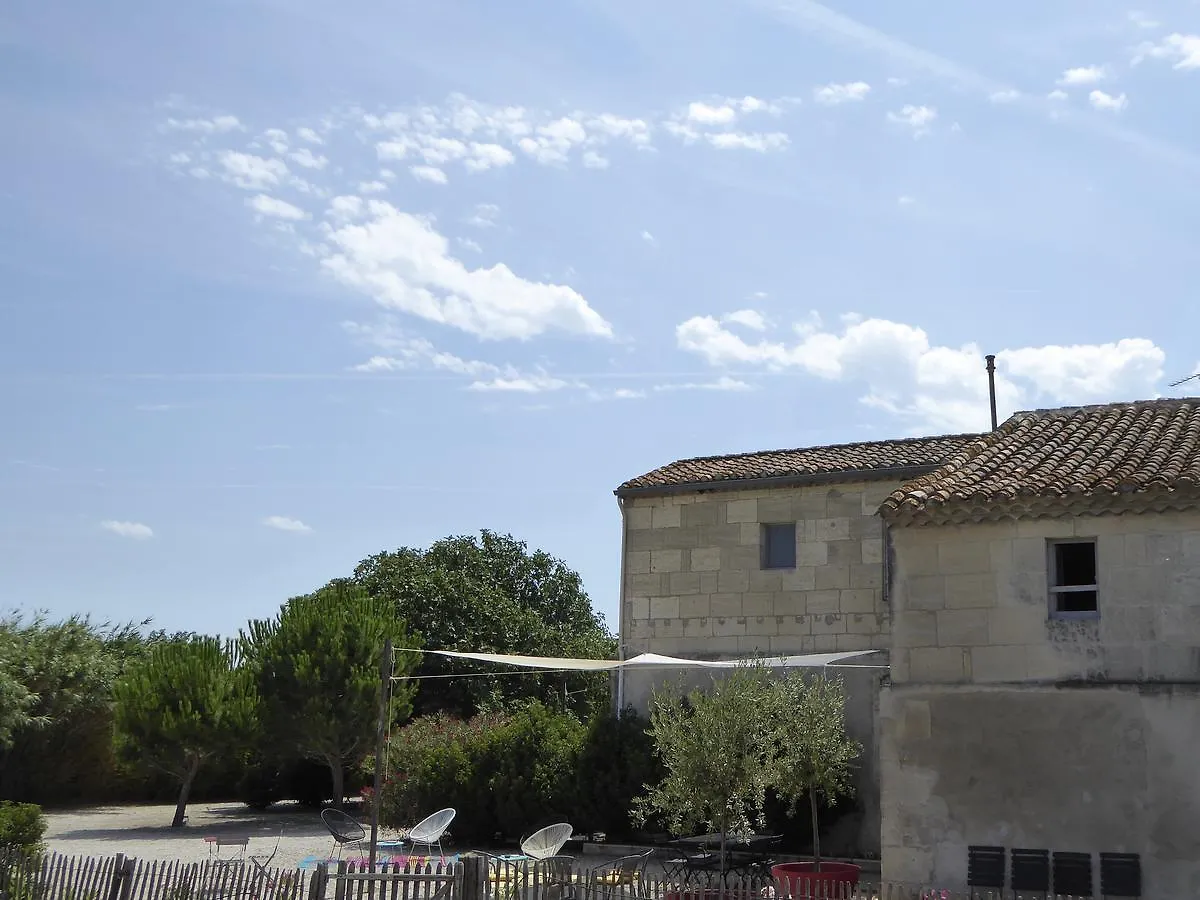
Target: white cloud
[[1182, 49], [283, 523], [833, 94], [754, 104], [307, 134], [918, 118], [1006, 96], [488, 156], [276, 139], [628, 394], [932, 386], [905, 200], [1108, 102], [552, 143], [372, 187], [346, 207], [276, 208], [1057, 95], [1141, 20], [252, 172], [736, 140], [484, 216], [215, 125], [432, 174], [724, 383], [179, 159], [636, 131], [401, 261], [305, 157], [468, 244], [1082, 75], [704, 114], [747, 318], [525, 384], [648, 238], [199, 172], [593, 160], [134, 530]]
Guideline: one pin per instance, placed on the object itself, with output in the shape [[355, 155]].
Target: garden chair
[[263, 874], [429, 831], [546, 842], [621, 876], [344, 829]]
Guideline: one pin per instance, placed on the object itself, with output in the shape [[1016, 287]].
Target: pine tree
[[184, 703]]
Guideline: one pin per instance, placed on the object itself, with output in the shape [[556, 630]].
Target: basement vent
[[1120, 875], [985, 867], [1030, 870], [1073, 874]]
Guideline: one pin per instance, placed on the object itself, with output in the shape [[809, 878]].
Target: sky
[[285, 283]]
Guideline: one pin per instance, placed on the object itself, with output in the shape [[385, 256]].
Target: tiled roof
[[1048, 462], [869, 459]]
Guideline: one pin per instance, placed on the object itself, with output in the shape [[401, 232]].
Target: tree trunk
[[339, 788], [812, 802], [724, 827], [184, 790]]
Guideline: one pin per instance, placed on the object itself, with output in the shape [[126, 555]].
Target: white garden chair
[[428, 832], [546, 842]]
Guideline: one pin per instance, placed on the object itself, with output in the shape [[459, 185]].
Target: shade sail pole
[[385, 705]]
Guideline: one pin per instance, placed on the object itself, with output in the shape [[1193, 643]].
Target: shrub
[[21, 825], [615, 764], [535, 758]]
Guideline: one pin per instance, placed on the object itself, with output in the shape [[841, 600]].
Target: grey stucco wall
[[1004, 725], [1088, 769], [694, 587]]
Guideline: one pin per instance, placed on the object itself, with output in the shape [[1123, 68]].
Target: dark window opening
[[779, 546], [1073, 577]]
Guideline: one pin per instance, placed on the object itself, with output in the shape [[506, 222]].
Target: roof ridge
[[846, 446], [1096, 407]]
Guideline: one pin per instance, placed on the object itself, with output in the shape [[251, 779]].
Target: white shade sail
[[652, 661]]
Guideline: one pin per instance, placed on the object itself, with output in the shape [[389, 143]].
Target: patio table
[[742, 856]]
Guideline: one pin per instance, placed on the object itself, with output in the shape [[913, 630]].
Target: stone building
[[1045, 664], [779, 552], [1037, 589]]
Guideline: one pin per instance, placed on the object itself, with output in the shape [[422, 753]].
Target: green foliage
[[182, 704], [316, 670], [63, 751], [817, 758], [752, 734], [438, 761], [489, 593], [535, 757], [504, 774], [21, 825], [719, 752], [615, 764]]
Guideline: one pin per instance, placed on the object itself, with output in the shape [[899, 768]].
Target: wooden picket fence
[[56, 877]]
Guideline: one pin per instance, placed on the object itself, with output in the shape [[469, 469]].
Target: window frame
[[764, 547], [1056, 590]]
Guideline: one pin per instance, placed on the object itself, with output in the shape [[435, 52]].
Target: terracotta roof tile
[[1046, 459], [870, 459]]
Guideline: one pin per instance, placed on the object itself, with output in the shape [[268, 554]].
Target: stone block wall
[[694, 583], [971, 603]]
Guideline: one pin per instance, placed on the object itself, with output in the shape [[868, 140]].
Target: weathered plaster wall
[[1076, 769], [970, 603], [1006, 726], [694, 587]]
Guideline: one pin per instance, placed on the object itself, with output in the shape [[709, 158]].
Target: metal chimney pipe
[[991, 370]]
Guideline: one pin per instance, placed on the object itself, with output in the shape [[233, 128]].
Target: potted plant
[[719, 751], [815, 761]]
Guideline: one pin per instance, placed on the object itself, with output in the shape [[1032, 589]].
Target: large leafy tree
[[316, 667], [720, 752], [185, 702], [62, 674], [816, 756], [490, 593]]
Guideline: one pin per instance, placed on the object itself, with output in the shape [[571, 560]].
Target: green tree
[[816, 756], [720, 752], [182, 704], [316, 670], [63, 750], [616, 763], [490, 593]]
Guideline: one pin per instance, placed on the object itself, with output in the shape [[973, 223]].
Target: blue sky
[[286, 283]]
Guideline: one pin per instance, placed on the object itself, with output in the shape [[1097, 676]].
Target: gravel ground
[[144, 832]]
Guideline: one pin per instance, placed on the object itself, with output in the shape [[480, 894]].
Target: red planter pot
[[802, 880]]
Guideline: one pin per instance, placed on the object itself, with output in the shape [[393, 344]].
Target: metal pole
[[385, 696], [991, 370]]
